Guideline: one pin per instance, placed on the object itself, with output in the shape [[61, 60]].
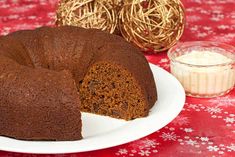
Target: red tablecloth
[[205, 127]]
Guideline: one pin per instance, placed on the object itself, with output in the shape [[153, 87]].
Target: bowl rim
[[179, 45]]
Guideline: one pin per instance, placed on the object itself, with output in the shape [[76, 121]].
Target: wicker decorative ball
[[99, 14], [154, 25]]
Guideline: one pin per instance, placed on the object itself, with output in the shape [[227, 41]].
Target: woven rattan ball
[[99, 14], [154, 25]]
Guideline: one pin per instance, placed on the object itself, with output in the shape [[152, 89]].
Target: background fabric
[[205, 127]]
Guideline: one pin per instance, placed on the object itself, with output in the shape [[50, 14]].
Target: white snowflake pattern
[[5, 31], [171, 129], [209, 2], [231, 147], [221, 152], [191, 142], [190, 9], [122, 151], [43, 2], [201, 34], [229, 120], [223, 27], [204, 139], [207, 28], [232, 15], [149, 143], [13, 17], [21, 9], [193, 18], [223, 101], [213, 148], [144, 153], [193, 106], [181, 120], [224, 37], [215, 19], [32, 17], [155, 151], [217, 15], [142, 147], [217, 11], [188, 129], [194, 28], [197, 1], [14, 1], [171, 136], [230, 35], [202, 11], [164, 60], [213, 110], [4, 6], [217, 8]]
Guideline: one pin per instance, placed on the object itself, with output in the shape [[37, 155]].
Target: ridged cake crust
[[35, 81]]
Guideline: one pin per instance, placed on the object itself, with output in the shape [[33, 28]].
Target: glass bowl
[[204, 80]]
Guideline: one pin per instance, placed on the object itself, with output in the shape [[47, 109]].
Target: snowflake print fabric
[[205, 127]]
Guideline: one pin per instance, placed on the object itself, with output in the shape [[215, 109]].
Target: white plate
[[102, 132]]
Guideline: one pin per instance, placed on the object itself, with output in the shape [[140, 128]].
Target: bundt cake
[[48, 75]]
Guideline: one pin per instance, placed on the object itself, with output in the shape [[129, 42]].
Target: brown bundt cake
[[39, 97]]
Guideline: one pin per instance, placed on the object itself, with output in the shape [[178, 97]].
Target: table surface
[[205, 127]]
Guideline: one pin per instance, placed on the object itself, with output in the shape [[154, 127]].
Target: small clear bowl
[[204, 81]]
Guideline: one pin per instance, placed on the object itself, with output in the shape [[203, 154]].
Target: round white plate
[[102, 132]]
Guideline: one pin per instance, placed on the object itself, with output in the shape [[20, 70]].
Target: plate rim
[[181, 102]]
